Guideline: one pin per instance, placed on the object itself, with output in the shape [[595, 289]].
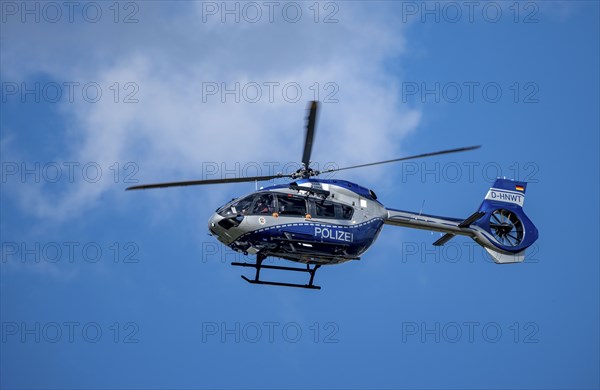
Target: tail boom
[[451, 226], [426, 222]]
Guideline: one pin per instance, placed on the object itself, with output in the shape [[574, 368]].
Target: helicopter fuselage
[[319, 222], [309, 221]]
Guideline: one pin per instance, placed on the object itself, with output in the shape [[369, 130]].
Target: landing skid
[[258, 265]]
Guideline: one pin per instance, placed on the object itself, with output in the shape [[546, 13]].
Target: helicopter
[[319, 222]]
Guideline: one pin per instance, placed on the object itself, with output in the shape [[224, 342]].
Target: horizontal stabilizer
[[466, 223], [474, 217], [443, 239]]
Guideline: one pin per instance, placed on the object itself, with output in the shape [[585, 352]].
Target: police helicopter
[[320, 222]]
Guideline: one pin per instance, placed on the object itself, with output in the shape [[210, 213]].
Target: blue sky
[[106, 289]]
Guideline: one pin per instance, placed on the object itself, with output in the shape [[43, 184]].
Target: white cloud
[[171, 132]]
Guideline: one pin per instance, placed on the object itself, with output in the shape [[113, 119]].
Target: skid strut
[[258, 265]]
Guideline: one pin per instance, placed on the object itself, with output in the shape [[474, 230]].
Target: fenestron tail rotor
[[305, 171], [506, 227]]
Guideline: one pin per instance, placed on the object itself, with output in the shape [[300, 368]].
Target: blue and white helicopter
[[328, 221]]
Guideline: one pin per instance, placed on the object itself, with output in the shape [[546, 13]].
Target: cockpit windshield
[[255, 204], [237, 207]]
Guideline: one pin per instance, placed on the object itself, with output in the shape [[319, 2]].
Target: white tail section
[[503, 258]]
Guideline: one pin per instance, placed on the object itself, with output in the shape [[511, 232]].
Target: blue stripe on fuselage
[[347, 240]]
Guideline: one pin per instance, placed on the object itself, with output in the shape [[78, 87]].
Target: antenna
[[422, 205]]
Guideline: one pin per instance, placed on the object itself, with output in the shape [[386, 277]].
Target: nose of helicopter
[[213, 226], [218, 230]]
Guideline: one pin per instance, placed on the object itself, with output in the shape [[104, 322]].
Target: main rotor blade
[[310, 132], [406, 158], [204, 182]]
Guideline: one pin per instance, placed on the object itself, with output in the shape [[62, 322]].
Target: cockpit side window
[[291, 206], [324, 209], [347, 212], [263, 204]]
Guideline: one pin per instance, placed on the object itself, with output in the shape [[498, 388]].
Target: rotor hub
[[304, 173]]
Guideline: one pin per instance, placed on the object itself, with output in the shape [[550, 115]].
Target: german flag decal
[[519, 188]]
